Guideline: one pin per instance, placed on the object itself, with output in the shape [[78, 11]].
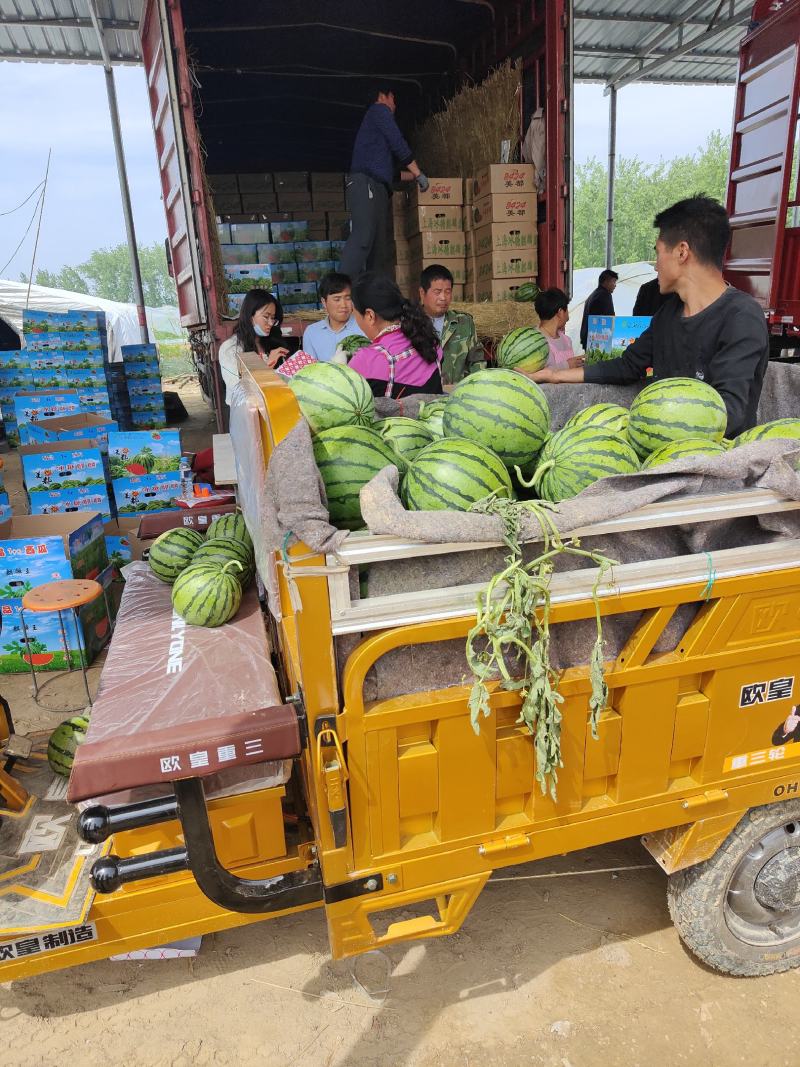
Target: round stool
[[69, 594]]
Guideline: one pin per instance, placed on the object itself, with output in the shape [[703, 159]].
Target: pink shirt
[[561, 350], [391, 358]]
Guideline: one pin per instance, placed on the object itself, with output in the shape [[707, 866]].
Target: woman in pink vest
[[551, 307], [404, 356]]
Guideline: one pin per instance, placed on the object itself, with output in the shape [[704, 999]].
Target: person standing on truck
[[456, 329], [378, 145], [321, 339], [552, 307], [706, 329], [600, 302], [404, 356], [258, 329]]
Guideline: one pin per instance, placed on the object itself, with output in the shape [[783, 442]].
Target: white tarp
[[584, 283], [121, 319]]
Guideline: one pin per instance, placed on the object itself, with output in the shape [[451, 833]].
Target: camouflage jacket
[[462, 353]]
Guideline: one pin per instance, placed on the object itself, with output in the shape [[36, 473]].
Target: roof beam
[[622, 52], [50, 57], [637, 18], [34, 22]]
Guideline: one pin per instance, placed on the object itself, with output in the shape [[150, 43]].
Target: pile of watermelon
[[207, 574], [492, 435]]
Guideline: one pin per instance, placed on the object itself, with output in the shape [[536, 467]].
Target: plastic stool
[[69, 594]]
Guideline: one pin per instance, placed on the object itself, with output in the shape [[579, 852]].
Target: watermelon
[[348, 457], [432, 414], [63, 743], [612, 417], [526, 293], [672, 409], [406, 436], [352, 343], [501, 409], [172, 552], [208, 593], [576, 457], [452, 474], [332, 395], [232, 526], [786, 429], [222, 549], [690, 446], [525, 348]]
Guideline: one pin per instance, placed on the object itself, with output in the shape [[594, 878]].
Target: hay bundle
[[466, 134], [492, 321]]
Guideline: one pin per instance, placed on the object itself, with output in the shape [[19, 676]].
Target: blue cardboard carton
[[139, 354], [147, 387], [33, 407], [15, 378], [144, 468], [69, 342], [65, 477], [15, 359], [65, 501], [86, 379], [62, 321], [609, 335], [85, 359], [95, 427], [148, 420], [147, 492]]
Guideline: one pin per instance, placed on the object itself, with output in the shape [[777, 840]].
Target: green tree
[[642, 190], [107, 273]]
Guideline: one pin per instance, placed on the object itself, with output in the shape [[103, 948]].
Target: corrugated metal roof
[[61, 31], [616, 41]]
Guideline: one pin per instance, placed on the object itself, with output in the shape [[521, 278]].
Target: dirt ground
[[566, 963]]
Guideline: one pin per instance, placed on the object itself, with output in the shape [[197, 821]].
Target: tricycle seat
[[178, 701]]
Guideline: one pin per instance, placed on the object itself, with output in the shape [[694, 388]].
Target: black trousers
[[367, 247]]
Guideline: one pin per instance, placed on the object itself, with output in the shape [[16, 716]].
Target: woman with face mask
[[257, 330]]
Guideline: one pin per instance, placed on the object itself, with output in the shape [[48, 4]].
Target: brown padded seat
[[178, 701]]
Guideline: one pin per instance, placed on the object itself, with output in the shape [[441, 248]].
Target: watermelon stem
[[539, 473], [232, 563]]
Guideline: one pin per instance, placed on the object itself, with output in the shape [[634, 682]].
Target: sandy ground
[[565, 963]]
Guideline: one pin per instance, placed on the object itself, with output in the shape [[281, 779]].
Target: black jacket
[[600, 302], [726, 345], [649, 298]]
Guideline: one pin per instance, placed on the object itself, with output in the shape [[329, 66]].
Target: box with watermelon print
[[51, 379], [144, 467], [609, 335], [67, 342], [88, 378], [33, 407], [93, 426], [85, 359], [62, 321], [65, 477], [148, 420], [15, 359]]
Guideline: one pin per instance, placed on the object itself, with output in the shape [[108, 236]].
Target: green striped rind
[[332, 395], [172, 552], [612, 417], [406, 436], [786, 429], [63, 743], [207, 594], [502, 410], [452, 474], [579, 458], [525, 348], [526, 292], [348, 457], [222, 549], [691, 446], [232, 526], [432, 414], [672, 409]]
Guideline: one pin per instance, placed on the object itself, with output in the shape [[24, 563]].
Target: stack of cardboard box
[[500, 217], [434, 234]]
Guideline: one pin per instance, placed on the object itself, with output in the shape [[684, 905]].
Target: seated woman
[[258, 329], [404, 356], [552, 308]]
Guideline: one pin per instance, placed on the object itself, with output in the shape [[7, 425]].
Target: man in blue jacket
[[379, 150]]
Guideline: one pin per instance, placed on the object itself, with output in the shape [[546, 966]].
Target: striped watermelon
[[527, 292], [690, 446], [671, 409], [778, 429], [501, 409], [208, 593], [220, 550], [452, 474], [231, 526], [406, 436], [525, 348], [63, 743], [332, 395], [432, 414], [172, 552], [348, 457], [612, 417], [575, 458]]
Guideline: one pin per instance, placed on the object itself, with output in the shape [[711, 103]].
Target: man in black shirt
[[600, 302], [649, 299], [705, 329]]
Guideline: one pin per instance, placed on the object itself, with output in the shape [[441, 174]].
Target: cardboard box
[[90, 378], [123, 543], [338, 224], [503, 178], [245, 276], [231, 254], [513, 263], [402, 250], [67, 341], [290, 181], [466, 217], [329, 200], [407, 277], [73, 428], [422, 219], [283, 232], [314, 272], [294, 202], [303, 293], [502, 236], [498, 289], [224, 233], [504, 208], [223, 183], [311, 251], [457, 268], [147, 420], [326, 181], [16, 359], [63, 321], [249, 233], [311, 217], [438, 244], [458, 291], [144, 468], [284, 273], [447, 191], [259, 202], [254, 183], [152, 526], [33, 407], [227, 203], [273, 254]]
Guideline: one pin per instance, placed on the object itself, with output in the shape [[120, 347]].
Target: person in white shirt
[[258, 329], [321, 339]]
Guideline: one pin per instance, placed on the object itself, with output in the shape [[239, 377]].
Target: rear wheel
[[740, 910]]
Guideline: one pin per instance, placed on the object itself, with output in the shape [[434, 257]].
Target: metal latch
[[711, 796], [504, 844], [334, 775]]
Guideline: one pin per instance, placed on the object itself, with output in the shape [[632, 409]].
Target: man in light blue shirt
[[321, 339]]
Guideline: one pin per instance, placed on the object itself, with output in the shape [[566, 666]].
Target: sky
[[64, 107]]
